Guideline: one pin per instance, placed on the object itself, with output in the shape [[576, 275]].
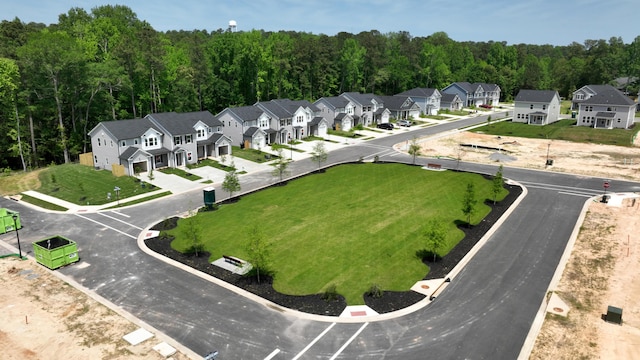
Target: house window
[[531, 106], [579, 96], [95, 158], [288, 121], [282, 123], [201, 133], [99, 142], [135, 142], [111, 143], [123, 144], [177, 140], [187, 139], [544, 107], [299, 119], [151, 141]]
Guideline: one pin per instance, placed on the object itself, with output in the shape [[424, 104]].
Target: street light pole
[[15, 225], [291, 146]]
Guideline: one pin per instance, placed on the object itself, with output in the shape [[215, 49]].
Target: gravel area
[[315, 304]]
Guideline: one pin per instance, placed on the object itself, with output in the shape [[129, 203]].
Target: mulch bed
[[316, 304]]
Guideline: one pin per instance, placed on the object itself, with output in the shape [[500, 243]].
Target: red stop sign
[[606, 185]]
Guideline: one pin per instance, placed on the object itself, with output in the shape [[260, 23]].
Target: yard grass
[[15, 182], [561, 130], [252, 154], [347, 134], [211, 163], [83, 185], [181, 173], [42, 204], [352, 226]]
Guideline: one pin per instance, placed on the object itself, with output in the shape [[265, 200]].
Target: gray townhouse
[[272, 122], [450, 102], [157, 140], [475, 94], [401, 107], [335, 109], [368, 109], [428, 99], [603, 107], [247, 126], [536, 107]]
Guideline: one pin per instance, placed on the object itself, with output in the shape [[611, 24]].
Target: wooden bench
[[434, 166], [233, 261]]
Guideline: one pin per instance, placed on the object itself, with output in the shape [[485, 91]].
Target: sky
[[555, 22]]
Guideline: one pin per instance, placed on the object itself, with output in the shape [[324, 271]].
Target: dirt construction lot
[[44, 317]]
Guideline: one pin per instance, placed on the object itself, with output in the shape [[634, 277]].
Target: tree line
[[58, 81]]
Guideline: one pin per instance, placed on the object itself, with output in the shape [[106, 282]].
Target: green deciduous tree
[[319, 154], [280, 165], [259, 250], [497, 184], [469, 202], [193, 231], [435, 235], [231, 182], [414, 149]]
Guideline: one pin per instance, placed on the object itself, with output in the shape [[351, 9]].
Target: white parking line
[[273, 353], [349, 341], [119, 213], [314, 341], [107, 226], [121, 221]]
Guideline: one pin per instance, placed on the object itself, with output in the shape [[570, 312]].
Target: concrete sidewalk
[[210, 175]]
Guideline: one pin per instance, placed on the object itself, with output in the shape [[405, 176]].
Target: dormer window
[[151, 141], [201, 133]]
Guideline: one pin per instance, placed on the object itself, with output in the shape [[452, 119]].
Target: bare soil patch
[[602, 272], [596, 160], [46, 318]]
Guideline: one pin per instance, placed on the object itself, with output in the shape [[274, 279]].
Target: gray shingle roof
[[274, 109], [447, 98], [336, 102], [245, 113], [612, 96], [173, 123], [396, 102], [536, 96], [419, 92], [128, 129]]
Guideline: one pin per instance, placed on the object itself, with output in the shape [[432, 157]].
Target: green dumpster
[[7, 222], [55, 251]]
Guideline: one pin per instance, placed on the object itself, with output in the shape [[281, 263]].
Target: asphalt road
[[484, 313]]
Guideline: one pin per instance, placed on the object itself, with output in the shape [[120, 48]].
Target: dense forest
[[58, 81]]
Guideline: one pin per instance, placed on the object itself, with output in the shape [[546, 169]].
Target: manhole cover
[[557, 309], [425, 286]]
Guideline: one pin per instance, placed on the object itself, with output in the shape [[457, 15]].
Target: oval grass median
[[351, 227]]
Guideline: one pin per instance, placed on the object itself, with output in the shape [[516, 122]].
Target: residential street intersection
[[486, 312]]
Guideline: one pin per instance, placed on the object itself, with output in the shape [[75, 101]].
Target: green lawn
[[83, 185], [181, 173], [352, 226], [252, 154], [211, 163], [561, 130]]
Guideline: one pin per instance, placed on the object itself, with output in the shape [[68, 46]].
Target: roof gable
[[537, 96]]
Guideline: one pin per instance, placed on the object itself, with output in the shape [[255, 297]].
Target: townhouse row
[[177, 139]]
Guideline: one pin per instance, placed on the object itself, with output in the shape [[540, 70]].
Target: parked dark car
[[406, 123], [386, 126]]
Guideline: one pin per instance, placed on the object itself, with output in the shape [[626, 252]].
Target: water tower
[[232, 26]]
